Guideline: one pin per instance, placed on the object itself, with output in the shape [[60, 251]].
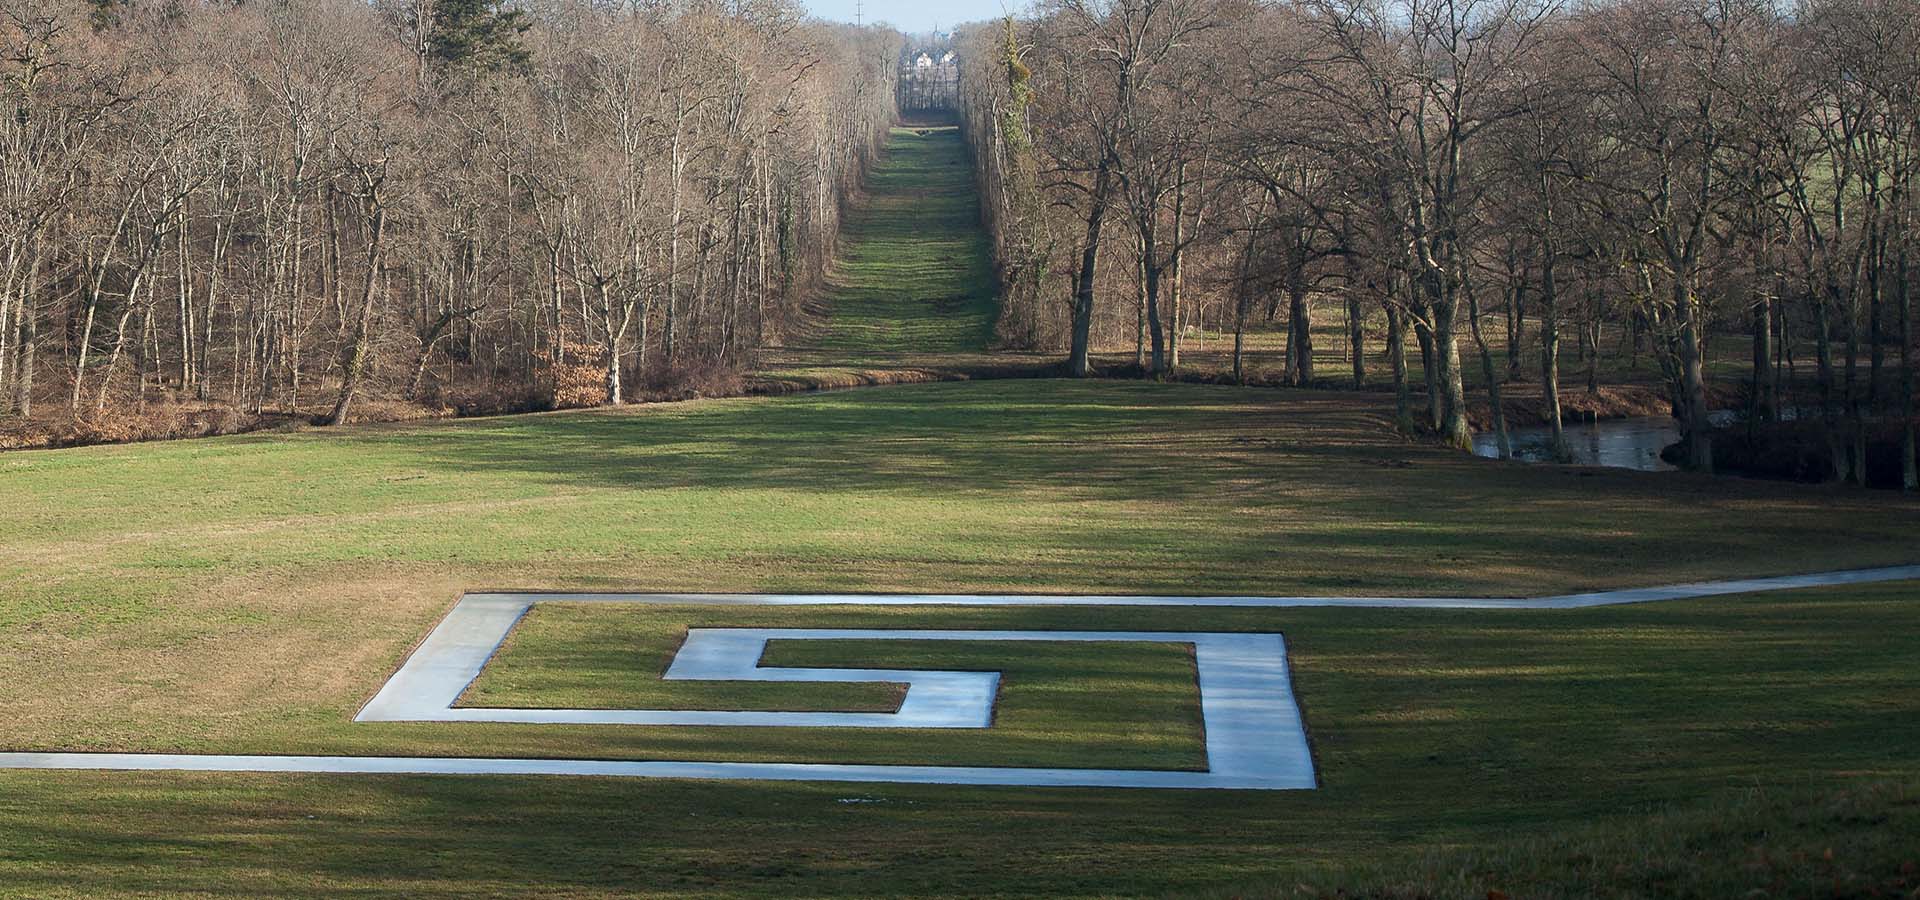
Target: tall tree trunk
[[357, 353], [1550, 352], [1823, 367], [296, 291], [1876, 267], [28, 319], [24, 365], [1243, 295], [670, 329], [184, 292], [1760, 405], [1357, 339], [1780, 372], [1176, 268], [6, 325], [202, 387], [1150, 283], [1079, 362], [1299, 318], [763, 219], [1176, 315], [1140, 304], [1487, 370], [1909, 466], [1429, 369], [1903, 300], [1397, 360], [1856, 430], [1356, 321], [1699, 438], [1590, 349], [611, 348], [1445, 312], [1516, 296], [1239, 335], [85, 343], [557, 298], [1454, 430]]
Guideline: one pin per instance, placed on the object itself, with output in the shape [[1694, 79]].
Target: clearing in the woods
[[912, 289], [247, 594]]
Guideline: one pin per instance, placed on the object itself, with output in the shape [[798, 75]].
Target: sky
[[915, 16]]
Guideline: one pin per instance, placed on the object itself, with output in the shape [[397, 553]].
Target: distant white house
[[929, 79]]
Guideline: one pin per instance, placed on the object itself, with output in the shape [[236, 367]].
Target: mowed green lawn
[[247, 594], [915, 276], [1430, 729], [1073, 705], [912, 285]]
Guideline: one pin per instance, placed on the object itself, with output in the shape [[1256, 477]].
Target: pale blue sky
[[915, 16]]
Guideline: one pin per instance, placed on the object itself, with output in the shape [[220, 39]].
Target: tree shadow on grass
[[1310, 486], [1120, 441]]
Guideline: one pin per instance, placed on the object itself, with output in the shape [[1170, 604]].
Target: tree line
[[297, 205], [1494, 174]]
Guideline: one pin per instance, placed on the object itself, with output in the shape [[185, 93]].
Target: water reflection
[[1621, 443], [1633, 443]]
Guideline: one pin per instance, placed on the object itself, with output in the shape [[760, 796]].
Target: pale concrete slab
[[1723, 588], [1565, 601], [406, 765]]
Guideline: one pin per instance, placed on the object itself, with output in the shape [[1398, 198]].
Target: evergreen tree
[[482, 34]]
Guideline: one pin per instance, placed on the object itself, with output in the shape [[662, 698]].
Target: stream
[[1630, 443]]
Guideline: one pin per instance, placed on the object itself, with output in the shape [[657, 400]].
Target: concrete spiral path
[[1250, 705]]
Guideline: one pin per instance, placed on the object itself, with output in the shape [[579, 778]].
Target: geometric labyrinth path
[[1255, 738]]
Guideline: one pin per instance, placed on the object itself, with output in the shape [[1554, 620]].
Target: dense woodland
[[1493, 181], [296, 206]]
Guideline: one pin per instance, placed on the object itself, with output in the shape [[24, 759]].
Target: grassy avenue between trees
[[247, 594]]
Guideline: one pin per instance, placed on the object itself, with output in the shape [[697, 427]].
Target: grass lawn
[[913, 282], [247, 594], [1431, 729], [250, 592], [256, 589], [1072, 705]]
